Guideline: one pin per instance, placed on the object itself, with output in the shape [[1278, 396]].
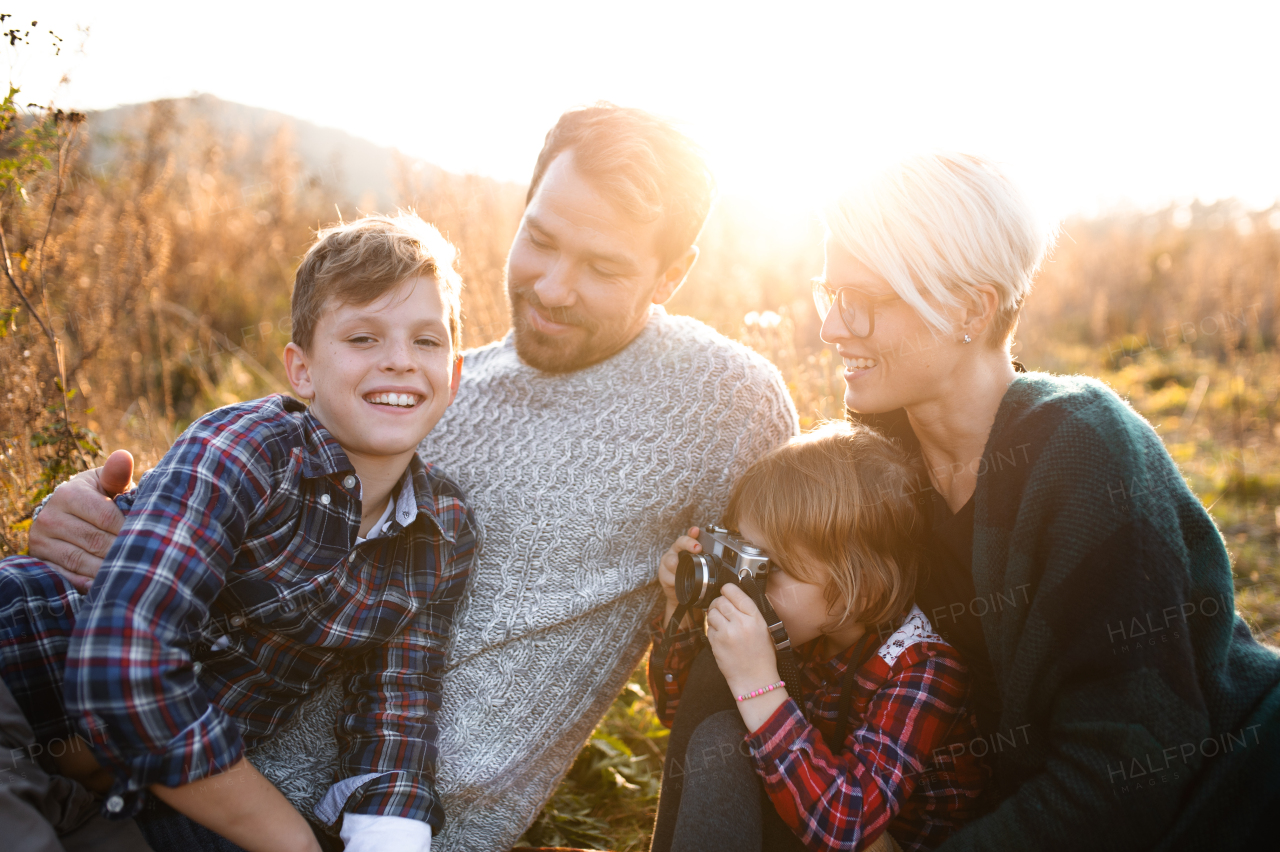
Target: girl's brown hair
[[837, 506]]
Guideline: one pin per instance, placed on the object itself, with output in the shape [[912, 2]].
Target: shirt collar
[[423, 490], [321, 453], [417, 492], [833, 668], [810, 654], [408, 500]]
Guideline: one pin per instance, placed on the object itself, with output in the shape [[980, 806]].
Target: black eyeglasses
[[857, 309]]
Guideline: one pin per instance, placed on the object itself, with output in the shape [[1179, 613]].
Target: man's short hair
[[356, 262], [837, 506], [642, 164], [935, 225]]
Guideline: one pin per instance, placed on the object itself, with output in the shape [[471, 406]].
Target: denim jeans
[[167, 830], [41, 811]]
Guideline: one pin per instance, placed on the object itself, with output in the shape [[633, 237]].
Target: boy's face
[[379, 376]]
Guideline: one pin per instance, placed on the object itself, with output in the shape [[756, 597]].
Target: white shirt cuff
[[373, 833], [329, 809]]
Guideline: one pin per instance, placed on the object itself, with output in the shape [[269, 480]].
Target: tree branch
[[8, 273], [53, 207]]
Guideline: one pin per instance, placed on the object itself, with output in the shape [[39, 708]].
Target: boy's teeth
[[403, 400], [859, 363]]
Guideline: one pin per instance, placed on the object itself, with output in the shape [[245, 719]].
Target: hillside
[[360, 171]]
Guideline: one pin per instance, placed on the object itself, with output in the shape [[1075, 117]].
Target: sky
[[1089, 105]]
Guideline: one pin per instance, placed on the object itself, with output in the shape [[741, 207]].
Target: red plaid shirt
[[906, 764]]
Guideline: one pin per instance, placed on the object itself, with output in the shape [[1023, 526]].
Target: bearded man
[[586, 440]]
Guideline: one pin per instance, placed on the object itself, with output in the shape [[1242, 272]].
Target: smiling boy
[[273, 545]]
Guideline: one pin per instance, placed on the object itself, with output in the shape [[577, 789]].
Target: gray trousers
[[712, 799], [723, 809], [723, 805], [44, 812]]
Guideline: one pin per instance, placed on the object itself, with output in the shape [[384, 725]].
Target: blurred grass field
[[162, 275]]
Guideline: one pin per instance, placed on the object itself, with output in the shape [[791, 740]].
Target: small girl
[[836, 513]]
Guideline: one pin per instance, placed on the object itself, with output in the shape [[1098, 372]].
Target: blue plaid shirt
[[236, 587]]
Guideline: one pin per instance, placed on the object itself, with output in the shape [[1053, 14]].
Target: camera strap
[[664, 648], [861, 653], [787, 668]]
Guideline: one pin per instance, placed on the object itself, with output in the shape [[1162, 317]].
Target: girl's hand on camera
[[667, 568], [740, 640]]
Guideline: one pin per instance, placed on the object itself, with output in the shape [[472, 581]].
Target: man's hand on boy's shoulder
[[78, 524]]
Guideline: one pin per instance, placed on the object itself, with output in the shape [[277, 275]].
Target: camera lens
[[696, 579]]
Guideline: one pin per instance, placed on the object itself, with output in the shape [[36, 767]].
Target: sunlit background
[[154, 245], [1090, 104]]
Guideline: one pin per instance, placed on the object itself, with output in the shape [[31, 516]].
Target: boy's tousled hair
[[642, 163], [356, 262], [837, 507]]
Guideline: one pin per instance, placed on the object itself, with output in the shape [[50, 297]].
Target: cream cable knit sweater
[[580, 482]]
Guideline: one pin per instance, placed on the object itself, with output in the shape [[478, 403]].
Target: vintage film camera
[[726, 558]]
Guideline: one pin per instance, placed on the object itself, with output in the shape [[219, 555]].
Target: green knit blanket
[[1137, 710]]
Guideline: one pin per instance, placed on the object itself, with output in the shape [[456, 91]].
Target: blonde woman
[[1122, 701]]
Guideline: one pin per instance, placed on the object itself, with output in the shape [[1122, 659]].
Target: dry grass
[[167, 274]]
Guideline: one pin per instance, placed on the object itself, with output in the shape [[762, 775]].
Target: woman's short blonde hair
[[837, 507], [937, 225]]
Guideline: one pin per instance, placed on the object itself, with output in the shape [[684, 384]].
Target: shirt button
[[237, 620], [325, 498], [115, 804], [350, 481], [668, 677]]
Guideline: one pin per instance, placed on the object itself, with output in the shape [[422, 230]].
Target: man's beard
[[556, 354]]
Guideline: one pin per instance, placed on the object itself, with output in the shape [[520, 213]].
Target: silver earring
[[968, 339]]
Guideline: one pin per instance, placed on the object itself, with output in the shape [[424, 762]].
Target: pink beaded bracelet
[[762, 690]]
